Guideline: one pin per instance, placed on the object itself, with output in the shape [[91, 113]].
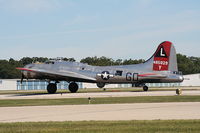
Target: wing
[[60, 75]]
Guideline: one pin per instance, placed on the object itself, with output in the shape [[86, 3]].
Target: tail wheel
[[73, 87], [139, 84], [51, 88], [145, 88]]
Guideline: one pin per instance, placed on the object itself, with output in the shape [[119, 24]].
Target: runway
[[96, 94], [143, 111]]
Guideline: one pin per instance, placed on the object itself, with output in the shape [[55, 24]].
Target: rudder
[[164, 59]]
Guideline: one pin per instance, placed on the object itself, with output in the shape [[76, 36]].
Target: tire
[[51, 88], [145, 88], [73, 87], [100, 85]]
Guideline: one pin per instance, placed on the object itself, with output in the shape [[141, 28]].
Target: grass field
[[107, 100], [156, 126]]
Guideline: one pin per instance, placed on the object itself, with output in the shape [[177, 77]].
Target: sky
[[118, 29]]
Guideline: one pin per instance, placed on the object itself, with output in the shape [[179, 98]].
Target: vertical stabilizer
[[164, 59]]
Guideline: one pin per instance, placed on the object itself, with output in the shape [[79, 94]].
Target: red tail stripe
[[148, 74]]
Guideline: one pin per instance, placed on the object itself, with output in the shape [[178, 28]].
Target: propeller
[[22, 78]]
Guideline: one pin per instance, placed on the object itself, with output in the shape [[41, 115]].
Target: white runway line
[[141, 111]]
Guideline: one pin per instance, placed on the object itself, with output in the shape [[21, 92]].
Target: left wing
[[64, 73]]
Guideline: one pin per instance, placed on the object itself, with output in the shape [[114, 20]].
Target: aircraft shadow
[[34, 94], [41, 94]]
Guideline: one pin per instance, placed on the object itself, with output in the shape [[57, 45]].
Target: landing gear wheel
[[145, 88], [73, 87], [51, 88], [100, 85]]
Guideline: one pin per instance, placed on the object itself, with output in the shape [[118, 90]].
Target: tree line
[[188, 65]]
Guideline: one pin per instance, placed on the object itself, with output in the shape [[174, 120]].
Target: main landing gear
[[145, 88], [52, 87], [73, 87]]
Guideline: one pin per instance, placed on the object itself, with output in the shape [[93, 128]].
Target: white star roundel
[[105, 75]]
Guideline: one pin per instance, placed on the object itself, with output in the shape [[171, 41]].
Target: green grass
[[156, 126], [107, 100]]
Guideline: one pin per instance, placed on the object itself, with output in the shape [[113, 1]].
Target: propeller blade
[[22, 78]]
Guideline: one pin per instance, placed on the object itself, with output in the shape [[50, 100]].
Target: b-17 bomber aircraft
[[160, 68]]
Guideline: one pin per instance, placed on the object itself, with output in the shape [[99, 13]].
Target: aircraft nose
[[27, 74]]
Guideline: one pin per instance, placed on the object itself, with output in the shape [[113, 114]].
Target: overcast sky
[[114, 28]]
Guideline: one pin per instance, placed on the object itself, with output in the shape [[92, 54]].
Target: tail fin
[[164, 59]]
